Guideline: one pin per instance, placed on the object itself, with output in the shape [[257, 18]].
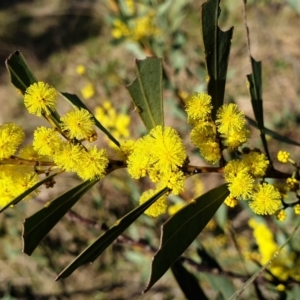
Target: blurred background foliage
[[88, 48]]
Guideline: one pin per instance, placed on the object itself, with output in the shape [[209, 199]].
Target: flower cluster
[[159, 155], [207, 135], [14, 179], [241, 175], [58, 147]]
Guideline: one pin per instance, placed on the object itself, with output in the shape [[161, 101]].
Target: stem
[[14, 160]]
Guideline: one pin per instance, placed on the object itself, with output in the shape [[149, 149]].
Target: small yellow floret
[[93, 164], [79, 124], [11, 136], [241, 185], [256, 162], [230, 118], [297, 209], [266, 200], [235, 139], [292, 183], [198, 106], [204, 138], [230, 201], [46, 141], [281, 215], [174, 181], [139, 161], [283, 156], [233, 168], [40, 98], [158, 208], [69, 158], [167, 148]]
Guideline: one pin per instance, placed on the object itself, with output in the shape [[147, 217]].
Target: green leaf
[[274, 134], [75, 101], [255, 89], [217, 48], [146, 91], [183, 228], [27, 192], [222, 284], [187, 282], [36, 227], [20, 75], [96, 248]]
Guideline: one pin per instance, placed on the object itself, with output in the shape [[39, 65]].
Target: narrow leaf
[[274, 134], [96, 248], [217, 48], [27, 192], [255, 89], [182, 229], [75, 101], [36, 227], [146, 91], [187, 282], [20, 75]]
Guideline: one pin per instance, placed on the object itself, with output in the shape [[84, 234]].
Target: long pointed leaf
[[274, 134], [217, 48], [27, 192], [75, 101], [146, 91], [20, 75], [182, 229], [255, 89], [36, 227], [96, 248]]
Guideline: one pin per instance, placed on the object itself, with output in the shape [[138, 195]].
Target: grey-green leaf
[[36, 227], [27, 192], [20, 75], [96, 248], [183, 228], [146, 91], [217, 48], [75, 101]]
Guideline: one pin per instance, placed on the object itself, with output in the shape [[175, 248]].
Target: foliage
[[218, 131]]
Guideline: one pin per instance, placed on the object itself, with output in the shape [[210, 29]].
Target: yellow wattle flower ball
[[283, 156], [266, 200], [88, 91], [198, 106], [281, 215], [11, 136], [40, 98], [79, 124]]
